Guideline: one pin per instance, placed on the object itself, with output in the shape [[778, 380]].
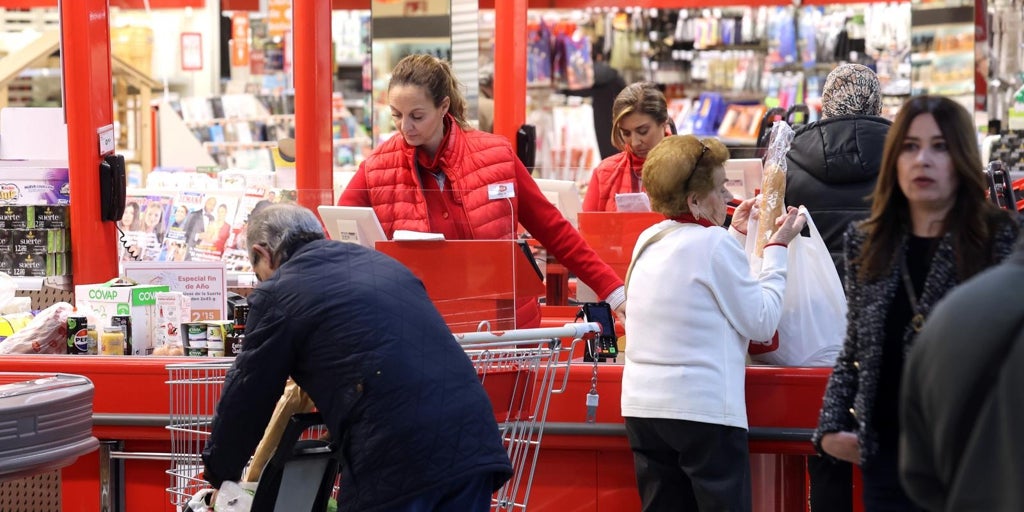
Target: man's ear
[[260, 252]]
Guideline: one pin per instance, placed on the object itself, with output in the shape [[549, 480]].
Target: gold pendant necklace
[[917, 321]]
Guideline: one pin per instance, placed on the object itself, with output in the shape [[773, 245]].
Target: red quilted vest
[[612, 176], [472, 160]]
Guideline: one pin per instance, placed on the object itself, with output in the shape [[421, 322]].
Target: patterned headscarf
[[851, 89]]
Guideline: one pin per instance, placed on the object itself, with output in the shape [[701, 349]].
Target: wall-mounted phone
[[602, 346], [112, 187]]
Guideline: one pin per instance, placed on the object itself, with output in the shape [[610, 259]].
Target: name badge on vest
[[501, 191]]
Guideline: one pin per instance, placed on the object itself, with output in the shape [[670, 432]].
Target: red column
[[313, 72], [88, 105], [509, 67]]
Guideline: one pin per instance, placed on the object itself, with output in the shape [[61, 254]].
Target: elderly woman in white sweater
[[693, 306]]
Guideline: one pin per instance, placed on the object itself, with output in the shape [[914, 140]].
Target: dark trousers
[[471, 495], [831, 484], [690, 466], [882, 489]]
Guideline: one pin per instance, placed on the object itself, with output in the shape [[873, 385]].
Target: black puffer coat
[[356, 330], [831, 169]]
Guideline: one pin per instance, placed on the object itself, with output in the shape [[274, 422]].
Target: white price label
[[106, 138]]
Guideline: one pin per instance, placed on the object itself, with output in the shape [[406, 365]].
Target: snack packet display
[[772, 201]]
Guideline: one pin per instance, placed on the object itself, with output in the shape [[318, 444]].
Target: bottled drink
[[237, 338]]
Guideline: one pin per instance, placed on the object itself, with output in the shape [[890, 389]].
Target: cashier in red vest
[[441, 176]]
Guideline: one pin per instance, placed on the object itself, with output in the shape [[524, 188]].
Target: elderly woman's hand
[[741, 216], [788, 226]]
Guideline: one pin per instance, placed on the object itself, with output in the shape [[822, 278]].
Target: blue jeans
[[470, 495]]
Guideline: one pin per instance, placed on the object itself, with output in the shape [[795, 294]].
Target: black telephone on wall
[[112, 187], [603, 345]]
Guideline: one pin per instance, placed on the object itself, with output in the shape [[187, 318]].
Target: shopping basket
[[519, 370]]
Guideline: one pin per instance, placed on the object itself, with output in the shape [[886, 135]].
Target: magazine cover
[[236, 255], [144, 225], [208, 227]]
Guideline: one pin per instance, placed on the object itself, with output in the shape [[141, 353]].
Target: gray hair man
[[356, 331]]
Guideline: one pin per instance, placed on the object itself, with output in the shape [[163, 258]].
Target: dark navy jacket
[[356, 331], [831, 168]]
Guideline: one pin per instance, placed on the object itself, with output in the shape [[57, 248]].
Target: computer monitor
[[564, 195], [354, 224], [743, 176]]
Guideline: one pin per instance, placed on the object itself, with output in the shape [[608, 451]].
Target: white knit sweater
[[692, 305]]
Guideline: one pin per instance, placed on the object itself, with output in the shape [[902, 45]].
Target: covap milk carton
[[103, 301]]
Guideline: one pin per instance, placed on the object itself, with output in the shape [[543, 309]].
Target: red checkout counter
[[582, 466], [585, 467]]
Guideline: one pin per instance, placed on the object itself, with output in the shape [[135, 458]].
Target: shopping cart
[[194, 389], [519, 369]]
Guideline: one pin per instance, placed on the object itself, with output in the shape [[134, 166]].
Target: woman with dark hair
[[693, 307], [639, 122], [930, 228], [439, 175], [130, 220]]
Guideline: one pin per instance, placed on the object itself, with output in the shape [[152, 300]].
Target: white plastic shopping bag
[[813, 323], [232, 497]]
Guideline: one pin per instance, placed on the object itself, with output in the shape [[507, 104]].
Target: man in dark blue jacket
[[831, 168], [357, 332]]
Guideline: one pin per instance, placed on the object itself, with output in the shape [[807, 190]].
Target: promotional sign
[[191, 51], [240, 39], [204, 282]]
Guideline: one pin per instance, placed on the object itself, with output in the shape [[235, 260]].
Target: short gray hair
[[282, 228]]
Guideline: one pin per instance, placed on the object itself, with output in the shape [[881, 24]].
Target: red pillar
[[509, 67], [88, 105], [313, 72]]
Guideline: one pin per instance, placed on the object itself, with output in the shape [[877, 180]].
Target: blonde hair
[[678, 167], [436, 78]]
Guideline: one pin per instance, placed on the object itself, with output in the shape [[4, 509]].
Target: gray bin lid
[[45, 422]]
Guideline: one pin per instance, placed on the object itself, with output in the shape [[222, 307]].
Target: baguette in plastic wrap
[[47, 333], [772, 203]]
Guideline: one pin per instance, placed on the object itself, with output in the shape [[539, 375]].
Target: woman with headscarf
[[832, 167]]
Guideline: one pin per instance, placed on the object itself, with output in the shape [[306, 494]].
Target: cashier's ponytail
[[282, 229], [437, 79]]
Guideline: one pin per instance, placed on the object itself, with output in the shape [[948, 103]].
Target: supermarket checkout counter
[[582, 466]]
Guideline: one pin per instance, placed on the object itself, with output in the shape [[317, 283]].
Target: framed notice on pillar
[[191, 51]]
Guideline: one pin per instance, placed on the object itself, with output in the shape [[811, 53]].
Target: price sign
[[203, 282]]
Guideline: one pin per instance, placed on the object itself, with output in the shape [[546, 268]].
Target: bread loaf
[[771, 205]]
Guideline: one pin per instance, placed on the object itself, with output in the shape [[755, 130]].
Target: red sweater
[[475, 162]]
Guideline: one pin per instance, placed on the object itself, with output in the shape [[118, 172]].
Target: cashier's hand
[[842, 445], [741, 216]]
